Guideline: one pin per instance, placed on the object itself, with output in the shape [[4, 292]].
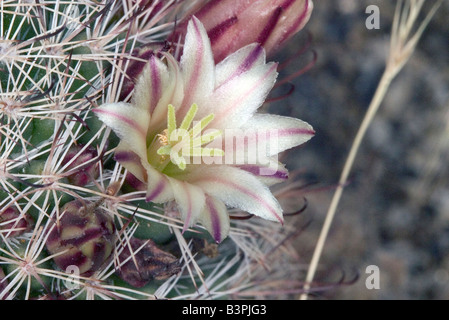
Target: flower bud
[[10, 219], [233, 24], [152, 263], [83, 237], [84, 169]]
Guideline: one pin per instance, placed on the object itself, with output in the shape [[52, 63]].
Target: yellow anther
[[175, 144]]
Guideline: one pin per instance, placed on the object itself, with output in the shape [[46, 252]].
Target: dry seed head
[[152, 263]]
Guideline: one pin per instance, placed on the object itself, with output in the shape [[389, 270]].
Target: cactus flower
[[175, 133], [233, 24]]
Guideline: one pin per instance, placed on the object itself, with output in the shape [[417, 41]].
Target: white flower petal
[[151, 85], [238, 189], [173, 94], [190, 200], [269, 172], [215, 218], [159, 189], [197, 65], [239, 62], [129, 123], [235, 101], [277, 133], [130, 160]]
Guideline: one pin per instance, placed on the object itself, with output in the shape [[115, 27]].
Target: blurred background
[[395, 212]]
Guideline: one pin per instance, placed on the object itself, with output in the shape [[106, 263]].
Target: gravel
[[395, 212]]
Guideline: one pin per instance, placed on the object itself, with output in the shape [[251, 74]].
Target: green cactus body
[[35, 283]]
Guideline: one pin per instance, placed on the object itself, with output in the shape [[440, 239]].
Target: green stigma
[[176, 144]]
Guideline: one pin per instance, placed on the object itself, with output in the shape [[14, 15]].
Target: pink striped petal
[[215, 218], [269, 172], [151, 85], [233, 24], [129, 123], [172, 94], [130, 160], [197, 65], [159, 189], [296, 14], [272, 134], [239, 62], [190, 200], [235, 101], [239, 189]]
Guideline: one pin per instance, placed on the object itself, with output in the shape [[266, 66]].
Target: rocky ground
[[395, 212]]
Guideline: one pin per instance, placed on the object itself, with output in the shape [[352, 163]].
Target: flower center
[[179, 145]]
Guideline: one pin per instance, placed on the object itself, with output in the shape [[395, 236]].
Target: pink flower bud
[[232, 24], [12, 224], [82, 167], [83, 237]]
